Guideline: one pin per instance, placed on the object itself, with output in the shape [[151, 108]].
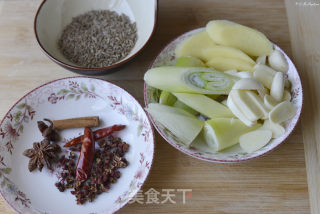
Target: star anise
[[42, 154], [48, 132]]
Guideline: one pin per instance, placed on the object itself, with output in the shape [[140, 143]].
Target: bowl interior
[[68, 98], [54, 15], [199, 148]]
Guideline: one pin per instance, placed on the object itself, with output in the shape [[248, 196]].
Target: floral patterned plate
[[199, 149], [67, 98]]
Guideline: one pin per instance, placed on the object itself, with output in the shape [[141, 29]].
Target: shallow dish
[[66, 98], [201, 150], [52, 16]]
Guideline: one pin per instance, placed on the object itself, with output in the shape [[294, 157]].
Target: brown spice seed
[[102, 175], [98, 38]]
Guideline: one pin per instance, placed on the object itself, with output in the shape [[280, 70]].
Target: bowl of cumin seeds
[[94, 37]]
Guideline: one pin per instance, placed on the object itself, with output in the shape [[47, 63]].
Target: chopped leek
[[222, 133], [189, 80], [179, 104], [204, 105], [182, 124], [167, 98]]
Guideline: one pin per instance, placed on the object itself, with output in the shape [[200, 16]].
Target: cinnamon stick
[[78, 122]]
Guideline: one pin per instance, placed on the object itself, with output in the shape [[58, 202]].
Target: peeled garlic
[[277, 86], [265, 68], [238, 113], [255, 140], [245, 74], [247, 84], [264, 74], [259, 103], [277, 61], [276, 128], [261, 60], [286, 95], [269, 101], [244, 103], [282, 112]]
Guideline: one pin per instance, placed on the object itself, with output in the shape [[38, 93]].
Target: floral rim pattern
[[151, 95]]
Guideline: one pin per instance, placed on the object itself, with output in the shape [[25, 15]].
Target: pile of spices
[[96, 169], [105, 170], [98, 38]]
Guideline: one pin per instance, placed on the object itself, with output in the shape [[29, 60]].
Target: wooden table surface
[[275, 183]]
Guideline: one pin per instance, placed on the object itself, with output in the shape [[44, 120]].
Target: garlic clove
[[245, 74], [238, 113], [278, 61], [269, 101], [276, 128], [257, 101], [277, 86], [245, 104], [286, 95], [282, 112], [255, 140], [247, 84], [264, 74]]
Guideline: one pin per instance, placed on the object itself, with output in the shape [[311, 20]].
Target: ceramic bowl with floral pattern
[[35, 192], [199, 149]]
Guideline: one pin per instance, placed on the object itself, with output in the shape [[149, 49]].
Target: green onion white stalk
[[204, 105], [182, 124], [222, 133], [189, 80]]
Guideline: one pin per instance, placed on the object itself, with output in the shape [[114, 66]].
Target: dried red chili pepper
[[98, 134], [86, 156]]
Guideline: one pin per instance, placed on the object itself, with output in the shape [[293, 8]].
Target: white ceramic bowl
[[52, 17], [35, 192], [201, 151]]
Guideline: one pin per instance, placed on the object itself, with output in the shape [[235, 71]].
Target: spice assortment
[[108, 158], [98, 38], [95, 169]]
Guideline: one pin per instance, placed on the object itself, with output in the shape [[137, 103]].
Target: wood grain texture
[[275, 183], [304, 25]]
